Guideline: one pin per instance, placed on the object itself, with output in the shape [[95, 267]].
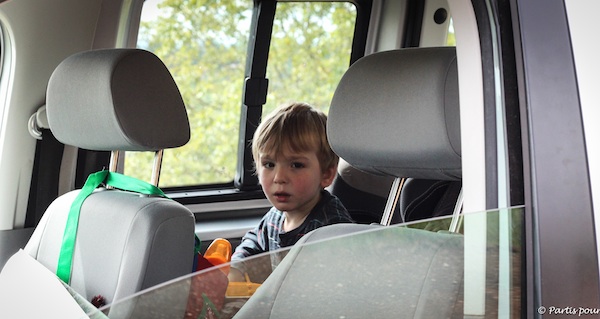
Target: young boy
[[294, 163]]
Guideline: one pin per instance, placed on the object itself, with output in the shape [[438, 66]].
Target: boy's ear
[[328, 176]]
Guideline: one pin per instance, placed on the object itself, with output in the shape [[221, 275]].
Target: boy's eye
[[268, 164], [297, 165]]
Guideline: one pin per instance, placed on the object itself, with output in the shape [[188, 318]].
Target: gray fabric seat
[[395, 114], [377, 272], [119, 99]]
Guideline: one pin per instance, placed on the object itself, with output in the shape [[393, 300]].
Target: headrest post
[[158, 156], [113, 164], [392, 201], [456, 214], [114, 161]]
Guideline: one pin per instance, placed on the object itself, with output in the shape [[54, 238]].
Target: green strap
[[208, 304], [131, 184], [116, 180]]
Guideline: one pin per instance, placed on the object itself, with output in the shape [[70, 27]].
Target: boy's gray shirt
[[269, 234]]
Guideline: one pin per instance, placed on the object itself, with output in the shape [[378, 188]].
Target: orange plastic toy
[[219, 252]]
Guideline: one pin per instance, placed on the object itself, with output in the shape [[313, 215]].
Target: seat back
[[393, 114], [425, 198], [126, 100], [365, 271], [364, 195]]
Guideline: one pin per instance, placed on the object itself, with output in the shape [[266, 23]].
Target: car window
[[205, 46], [488, 254], [310, 51]]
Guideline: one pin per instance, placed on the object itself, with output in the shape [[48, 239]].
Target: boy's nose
[[280, 176]]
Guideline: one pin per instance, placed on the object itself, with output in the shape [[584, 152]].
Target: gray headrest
[[117, 99], [397, 113]]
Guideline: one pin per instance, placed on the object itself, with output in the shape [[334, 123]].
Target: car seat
[[394, 113], [364, 195], [117, 100]]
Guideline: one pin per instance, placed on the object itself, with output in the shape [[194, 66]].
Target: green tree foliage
[[204, 44], [310, 50]]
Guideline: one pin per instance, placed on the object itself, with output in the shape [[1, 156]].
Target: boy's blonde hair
[[297, 127]]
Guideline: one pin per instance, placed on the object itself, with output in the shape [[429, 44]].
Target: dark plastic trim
[[558, 202]]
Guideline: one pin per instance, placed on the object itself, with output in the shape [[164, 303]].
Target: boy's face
[[293, 181]]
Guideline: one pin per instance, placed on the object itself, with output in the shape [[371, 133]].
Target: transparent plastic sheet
[[501, 263], [203, 294]]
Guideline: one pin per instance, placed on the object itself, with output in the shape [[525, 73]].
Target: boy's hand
[[235, 275]]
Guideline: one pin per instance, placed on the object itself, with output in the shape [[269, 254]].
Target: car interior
[[462, 127], [426, 266], [383, 179], [401, 161]]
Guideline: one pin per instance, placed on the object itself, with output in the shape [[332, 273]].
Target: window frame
[[557, 194]]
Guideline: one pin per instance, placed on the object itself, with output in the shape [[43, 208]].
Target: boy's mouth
[[281, 196]]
